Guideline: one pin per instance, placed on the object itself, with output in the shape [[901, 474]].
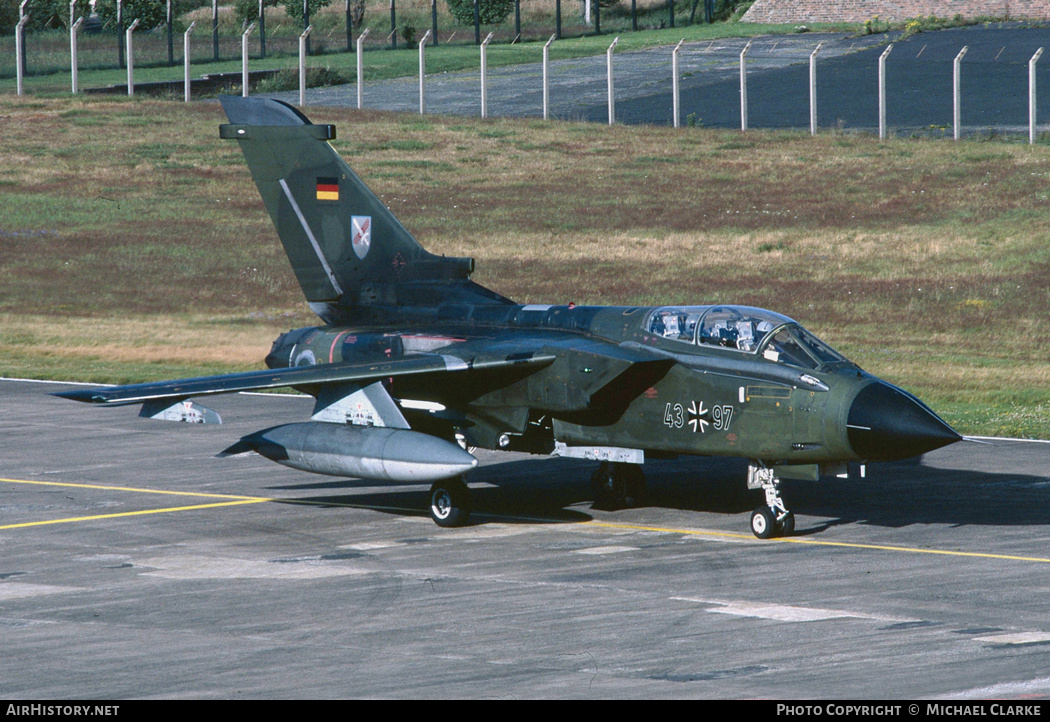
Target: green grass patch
[[380, 62]]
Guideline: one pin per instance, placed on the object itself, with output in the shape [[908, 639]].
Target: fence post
[[393, 25], [422, 71], [131, 56], [813, 90], [1031, 96], [74, 30], [215, 29], [20, 45], [244, 59], [484, 67], [674, 75], [186, 61], [743, 86], [120, 40], [434, 20], [546, 79], [956, 95], [609, 80], [20, 39], [882, 91], [302, 65], [557, 19], [72, 46], [360, 69], [262, 29], [169, 18], [350, 27]]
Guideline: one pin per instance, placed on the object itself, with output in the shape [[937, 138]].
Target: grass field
[[379, 61], [134, 246]]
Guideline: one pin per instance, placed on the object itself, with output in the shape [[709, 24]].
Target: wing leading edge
[[300, 376]]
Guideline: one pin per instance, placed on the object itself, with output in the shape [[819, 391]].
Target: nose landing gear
[[773, 519]]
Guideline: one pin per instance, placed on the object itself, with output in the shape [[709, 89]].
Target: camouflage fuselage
[[708, 400]]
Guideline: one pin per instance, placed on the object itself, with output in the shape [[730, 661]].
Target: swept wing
[[314, 375]]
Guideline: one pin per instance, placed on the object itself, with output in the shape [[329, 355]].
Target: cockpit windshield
[[796, 346], [774, 336]]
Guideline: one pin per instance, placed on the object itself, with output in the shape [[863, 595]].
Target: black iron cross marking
[[699, 416]]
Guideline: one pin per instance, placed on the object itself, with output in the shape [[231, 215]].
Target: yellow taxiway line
[[142, 512], [231, 500], [135, 489], [237, 500], [823, 543]]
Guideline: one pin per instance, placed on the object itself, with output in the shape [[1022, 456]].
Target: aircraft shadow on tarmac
[[541, 491]]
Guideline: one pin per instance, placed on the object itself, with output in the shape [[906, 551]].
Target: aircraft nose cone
[[887, 424]]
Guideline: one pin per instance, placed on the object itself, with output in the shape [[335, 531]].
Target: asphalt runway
[[994, 83], [136, 564]]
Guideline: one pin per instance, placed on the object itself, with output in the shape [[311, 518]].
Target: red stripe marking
[[331, 351]]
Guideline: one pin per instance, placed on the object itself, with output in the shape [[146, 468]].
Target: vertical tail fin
[[346, 248]]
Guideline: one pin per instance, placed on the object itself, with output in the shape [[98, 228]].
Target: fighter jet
[[416, 364]]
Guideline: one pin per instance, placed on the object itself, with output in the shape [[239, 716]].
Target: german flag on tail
[[327, 189]]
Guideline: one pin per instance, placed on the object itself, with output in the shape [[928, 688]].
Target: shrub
[[149, 13], [490, 12], [43, 14], [289, 80], [295, 7]]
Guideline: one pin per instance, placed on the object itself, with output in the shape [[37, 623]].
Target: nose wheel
[[773, 519], [766, 524]]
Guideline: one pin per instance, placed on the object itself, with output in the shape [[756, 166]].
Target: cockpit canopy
[[746, 329]]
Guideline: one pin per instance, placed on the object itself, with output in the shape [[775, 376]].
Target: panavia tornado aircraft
[[416, 363]]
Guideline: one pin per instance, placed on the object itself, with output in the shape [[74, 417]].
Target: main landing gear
[[773, 519], [450, 502], [618, 485]]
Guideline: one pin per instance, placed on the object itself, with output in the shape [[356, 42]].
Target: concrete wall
[[857, 11]]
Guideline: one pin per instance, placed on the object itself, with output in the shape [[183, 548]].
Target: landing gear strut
[[618, 485], [773, 519], [450, 502]]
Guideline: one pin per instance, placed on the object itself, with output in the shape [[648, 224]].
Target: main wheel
[[450, 502], [610, 487], [763, 522], [636, 488]]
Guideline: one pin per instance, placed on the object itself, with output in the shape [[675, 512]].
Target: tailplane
[[345, 246]]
